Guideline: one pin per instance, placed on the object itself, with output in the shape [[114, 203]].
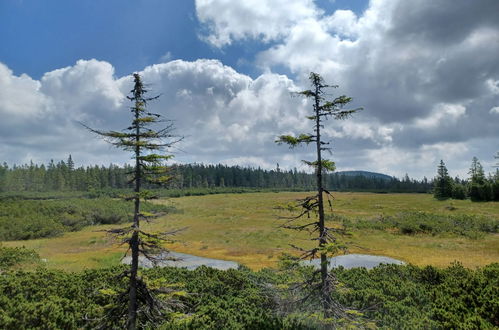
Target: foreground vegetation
[[415, 228], [245, 228], [22, 219], [388, 296]]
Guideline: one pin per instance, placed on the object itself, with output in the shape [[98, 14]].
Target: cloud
[[227, 20], [167, 57], [21, 97], [429, 86], [224, 115], [426, 72], [83, 89], [39, 117], [493, 85], [442, 114]]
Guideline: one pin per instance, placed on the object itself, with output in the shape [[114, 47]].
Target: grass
[[245, 228]]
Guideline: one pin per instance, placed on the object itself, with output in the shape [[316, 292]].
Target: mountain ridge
[[367, 174]]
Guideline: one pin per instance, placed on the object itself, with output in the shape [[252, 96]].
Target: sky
[[425, 72]]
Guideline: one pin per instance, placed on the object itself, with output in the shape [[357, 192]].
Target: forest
[[65, 176]]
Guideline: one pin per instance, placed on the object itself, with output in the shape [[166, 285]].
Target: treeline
[[478, 187], [64, 176]]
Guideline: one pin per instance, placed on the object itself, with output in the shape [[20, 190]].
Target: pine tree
[[476, 172], [478, 188], [3, 176], [144, 142], [458, 189], [495, 185], [443, 183], [328, 240]]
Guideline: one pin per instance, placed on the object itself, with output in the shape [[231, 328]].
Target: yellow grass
[[245, 228]]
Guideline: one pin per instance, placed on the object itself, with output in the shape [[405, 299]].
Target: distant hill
[[366, 174]]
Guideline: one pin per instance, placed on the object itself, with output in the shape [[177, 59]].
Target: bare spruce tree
[[327, 238], [146, 144]]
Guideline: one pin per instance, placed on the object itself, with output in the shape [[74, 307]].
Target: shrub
[[10, 257], [29, 219], [410, 223], [388, 296]]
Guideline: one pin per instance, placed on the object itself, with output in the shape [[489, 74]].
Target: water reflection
[[186, 260], [190, 261], [356, 260]]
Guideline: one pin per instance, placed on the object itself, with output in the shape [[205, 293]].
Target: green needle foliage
[[443, 183], [327, 238], [145, 143]]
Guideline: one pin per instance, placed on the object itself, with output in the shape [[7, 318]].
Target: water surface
[[190, 261], [356, 260]]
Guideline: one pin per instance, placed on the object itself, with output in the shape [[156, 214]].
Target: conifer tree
[[495, 185], [479, 190], [328, 240], [146, 144], [443, 183], [476, 172]]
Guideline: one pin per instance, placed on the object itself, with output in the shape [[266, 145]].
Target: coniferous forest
[[65, 176]]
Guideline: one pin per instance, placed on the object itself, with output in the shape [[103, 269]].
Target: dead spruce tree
[[327, 238], [146, 145]]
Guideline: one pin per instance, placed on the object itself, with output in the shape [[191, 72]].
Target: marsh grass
[[245, 228], [411, 223]]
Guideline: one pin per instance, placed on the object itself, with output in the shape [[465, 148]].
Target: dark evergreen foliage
[[389, 296], [458, 191], [22, 219], [37, 178], [411, 223], [443, 183], [16, 256], [480, 188]]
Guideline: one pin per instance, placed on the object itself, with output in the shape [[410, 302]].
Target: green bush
[[458, 191], [410, 223], [10, 257], [29, 219], [389, 296]]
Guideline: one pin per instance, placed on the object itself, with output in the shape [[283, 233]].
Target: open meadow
[[414, 228]]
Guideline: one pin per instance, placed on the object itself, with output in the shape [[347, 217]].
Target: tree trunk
[[134, 241], [132, 304], [322, 228]]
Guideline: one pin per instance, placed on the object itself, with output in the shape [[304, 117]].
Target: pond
[[186, 260], [190, 261], [356, 260]]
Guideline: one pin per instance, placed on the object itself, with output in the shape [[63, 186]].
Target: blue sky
[[425, 72], [128, 34]]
